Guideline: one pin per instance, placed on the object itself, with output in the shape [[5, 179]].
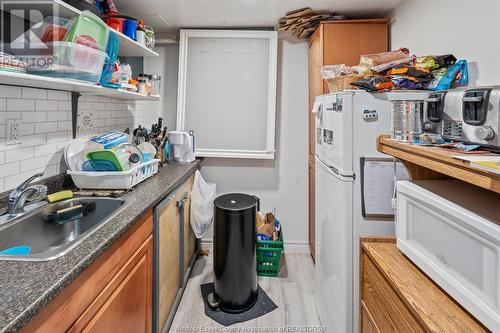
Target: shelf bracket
[[74, 112]]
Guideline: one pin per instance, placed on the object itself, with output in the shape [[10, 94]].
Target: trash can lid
[[235, 201]]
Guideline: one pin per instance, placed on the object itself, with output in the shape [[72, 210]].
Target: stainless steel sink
[[49, 240]]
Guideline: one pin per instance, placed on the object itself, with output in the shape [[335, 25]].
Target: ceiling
[[170, 15]]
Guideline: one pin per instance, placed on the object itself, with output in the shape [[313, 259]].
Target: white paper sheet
[[378, 185]]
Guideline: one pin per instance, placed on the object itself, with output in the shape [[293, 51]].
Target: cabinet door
[[168, 257], [367, 324], [101, 292], [128, 309], [189, 238], [315, 88], [315, 60], [346, 41]]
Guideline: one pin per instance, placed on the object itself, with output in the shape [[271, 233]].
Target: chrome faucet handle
[[17, 200], [24, 184], [39, 194]]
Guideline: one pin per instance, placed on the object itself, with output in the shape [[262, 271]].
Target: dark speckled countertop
[[27, 287]]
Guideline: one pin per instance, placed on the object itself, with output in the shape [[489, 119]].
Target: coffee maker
[[182, 143]]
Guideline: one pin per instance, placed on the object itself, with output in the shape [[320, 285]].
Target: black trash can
[[235, 264]]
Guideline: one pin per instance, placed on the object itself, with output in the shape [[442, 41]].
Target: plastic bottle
[[111, 8]]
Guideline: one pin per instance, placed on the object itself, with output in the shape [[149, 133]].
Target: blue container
[[130, 29], [109, 65]]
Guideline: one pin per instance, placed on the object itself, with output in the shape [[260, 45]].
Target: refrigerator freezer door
[[333, 249], [334, 138]]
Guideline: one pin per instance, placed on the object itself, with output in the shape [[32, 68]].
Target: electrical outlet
[[13, 131]]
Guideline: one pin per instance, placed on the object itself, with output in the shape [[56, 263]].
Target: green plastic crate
[[269, 257]]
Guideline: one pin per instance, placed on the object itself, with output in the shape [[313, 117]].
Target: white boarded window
[[227, 92]]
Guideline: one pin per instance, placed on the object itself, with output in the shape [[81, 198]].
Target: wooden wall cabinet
[[175, 250], [113, 295], [337, 42], [397, 297]]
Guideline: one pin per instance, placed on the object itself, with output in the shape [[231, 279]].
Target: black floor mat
[[262, 306]]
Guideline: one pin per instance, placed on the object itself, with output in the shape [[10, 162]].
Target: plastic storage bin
[[88, 29], [117, 180], [69, 60], [269, 257]]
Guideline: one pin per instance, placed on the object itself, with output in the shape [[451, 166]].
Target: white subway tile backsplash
[[47, 149], [10, 92], [33, 93], [55, 137], [84, 106], [33, 117], [111, 122], [46, 105], [104, 99], [9, 115], [51, 170], [98, 106], [28, 128], [9, 169], [91, 98], [116, 114], [57, 158], [33, 140], [64, 105], [33, 164], [46, 127], [14, 180], [58, 95], [64, 126], [20, 104], [57, 116], [5, 147], [19, 154]]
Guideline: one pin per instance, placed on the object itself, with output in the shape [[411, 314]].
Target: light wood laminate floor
[[294, 295]]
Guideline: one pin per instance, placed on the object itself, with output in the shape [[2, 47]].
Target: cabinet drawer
[[389, 313], [367, 324]]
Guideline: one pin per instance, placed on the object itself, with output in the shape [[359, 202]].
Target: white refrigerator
[[354, 188]]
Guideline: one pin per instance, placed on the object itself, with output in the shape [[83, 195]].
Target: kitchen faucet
[[18, 197]]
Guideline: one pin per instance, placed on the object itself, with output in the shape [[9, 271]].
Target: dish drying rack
[[115, 180]]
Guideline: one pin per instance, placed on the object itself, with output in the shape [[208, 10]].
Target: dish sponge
[[58, 196]]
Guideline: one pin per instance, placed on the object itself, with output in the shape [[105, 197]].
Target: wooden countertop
[[431, 306], [436, 163]]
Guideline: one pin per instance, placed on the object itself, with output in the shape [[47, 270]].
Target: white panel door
[[333, 249]]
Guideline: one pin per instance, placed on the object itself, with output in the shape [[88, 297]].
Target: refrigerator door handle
[[338, 173], [333, 170]]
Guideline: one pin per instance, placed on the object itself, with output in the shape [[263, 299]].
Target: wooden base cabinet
[[113, 295], [397, 297], [337, 42], [175, 246]]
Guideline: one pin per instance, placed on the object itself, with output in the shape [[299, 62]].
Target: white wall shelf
[[43, 82], [128, 47]]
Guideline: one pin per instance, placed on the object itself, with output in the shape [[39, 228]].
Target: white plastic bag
[[202, 205]]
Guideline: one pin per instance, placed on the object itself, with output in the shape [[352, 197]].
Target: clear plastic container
[[407, 120], [68, 60], [155, 85]]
